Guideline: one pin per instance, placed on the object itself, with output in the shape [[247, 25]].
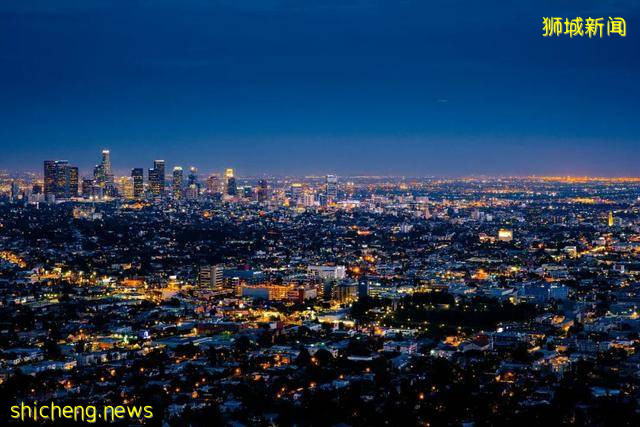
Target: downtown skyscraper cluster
[[63, 182]]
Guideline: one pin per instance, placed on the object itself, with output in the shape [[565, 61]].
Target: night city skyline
[[322, 213], [356, 87]]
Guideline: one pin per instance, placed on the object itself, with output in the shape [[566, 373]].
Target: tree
[[303, 358], [242, 344]]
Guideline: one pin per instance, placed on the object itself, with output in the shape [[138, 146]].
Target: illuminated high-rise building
[[214, 184], [210, 277], [98, 188], [263, 190], [307, 199], [157, 178], [610, 221], [247, 192], [98, 176], [176, 183], [193, 176], [87, 188], [232, 188], [332, 188], [106, 162], [191, 192], [73, 181], [60, 179], [49, 177], [193, 186], [138, 182], [296, 192], [125, 187], [103, 176]]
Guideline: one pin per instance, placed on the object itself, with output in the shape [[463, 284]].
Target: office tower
[[210, 277], [307, 199], [152, 179], [49, 177], [106, 162], [158, 165], [103, 176], [263, 191], [344, 292], [157, 178], [106, 166], [98, 176], [296, 192], [247, 192], [232, 189], [60, 179], [176, 183], [193, 176], [332, 188], [193, 186], [73, 181], [87, 188], [214, 184], [126, 187], [138, 182], [328, 272], [610, 221], [191, 192]]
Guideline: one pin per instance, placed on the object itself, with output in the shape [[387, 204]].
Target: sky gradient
[[299, 87]]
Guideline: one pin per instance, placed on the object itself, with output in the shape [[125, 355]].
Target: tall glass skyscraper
[[73, 181], [232, 188], [109, 182], [177, 182], [138, 182], [49, 177], [106, 162], [103, 176], [60, 179], [263, 190], [157, 178]]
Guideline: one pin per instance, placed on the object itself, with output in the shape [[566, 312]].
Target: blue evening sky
[[410, 87]]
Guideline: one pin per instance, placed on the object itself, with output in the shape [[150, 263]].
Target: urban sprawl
[[343, 301]]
